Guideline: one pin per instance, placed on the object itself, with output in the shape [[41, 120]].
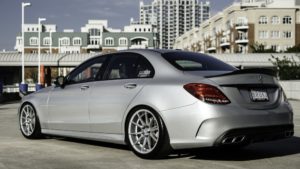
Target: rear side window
[[187, 61]]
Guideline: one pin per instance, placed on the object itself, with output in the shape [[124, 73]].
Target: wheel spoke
[[141, 120], [138, 140], [136, 133], [30, 127], [146, 118], [153, 137], [149, 142], [153, 129], [139, 126], [151, 121], [144, 142]]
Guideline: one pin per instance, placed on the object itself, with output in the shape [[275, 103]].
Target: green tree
[[261, 48], [287, 68], [294, 49]]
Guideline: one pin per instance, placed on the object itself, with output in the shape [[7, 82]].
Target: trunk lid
[[251, 88]]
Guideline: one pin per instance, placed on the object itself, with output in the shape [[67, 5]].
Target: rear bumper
[[203, 125], [246, 136]]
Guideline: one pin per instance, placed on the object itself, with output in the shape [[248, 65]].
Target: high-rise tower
[[173, 17]]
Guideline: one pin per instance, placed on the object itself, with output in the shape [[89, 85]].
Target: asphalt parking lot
[[17, 152]]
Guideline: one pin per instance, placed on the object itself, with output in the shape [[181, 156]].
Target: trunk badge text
[[260, 78]]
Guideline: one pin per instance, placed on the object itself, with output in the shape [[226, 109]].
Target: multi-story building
[[134, 36], [90, 39], [67, 41], [173, 17], [95, 28], [246, 25]]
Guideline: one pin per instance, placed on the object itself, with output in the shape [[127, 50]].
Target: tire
[[29, 122], [146, 134]]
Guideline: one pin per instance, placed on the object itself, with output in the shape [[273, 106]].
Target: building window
[[287, 34], [109, 41], [263, 20], [275, 20], [241, 21], [123, 41], [275, 34], [47, 41], [65, 41], [33, 41], [287, 20], [94, 32], [77, 41], [263, 34]]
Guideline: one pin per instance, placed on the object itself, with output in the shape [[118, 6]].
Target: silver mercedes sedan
[[155, 101]]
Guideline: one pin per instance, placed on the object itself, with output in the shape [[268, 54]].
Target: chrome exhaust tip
[[234, 139]]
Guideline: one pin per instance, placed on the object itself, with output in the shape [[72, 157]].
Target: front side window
[[87, 72], [187, 61]]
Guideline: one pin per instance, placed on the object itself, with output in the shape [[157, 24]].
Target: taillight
[[207, 93]]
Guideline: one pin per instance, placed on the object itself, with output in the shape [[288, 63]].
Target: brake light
[[207, 93]]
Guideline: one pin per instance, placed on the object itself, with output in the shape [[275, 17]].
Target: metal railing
[[15, 88]]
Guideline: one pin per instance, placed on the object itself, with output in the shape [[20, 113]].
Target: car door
[[125, 76], [68, 106]]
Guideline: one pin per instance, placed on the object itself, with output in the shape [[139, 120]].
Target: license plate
[[259, 95]]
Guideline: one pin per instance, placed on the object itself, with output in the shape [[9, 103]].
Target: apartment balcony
[[242, 40], [242, 26], [225, 43], [93, 47], [211, 49]]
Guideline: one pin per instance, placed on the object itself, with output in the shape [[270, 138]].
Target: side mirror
[[60, 81]]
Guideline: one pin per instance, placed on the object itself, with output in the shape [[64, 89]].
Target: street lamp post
[[59, 51], [23, 85], [50, 45], [39, 85]]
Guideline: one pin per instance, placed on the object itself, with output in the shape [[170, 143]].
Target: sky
[[71, 14]]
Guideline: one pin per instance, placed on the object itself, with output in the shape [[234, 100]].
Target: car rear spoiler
[[264, 71]]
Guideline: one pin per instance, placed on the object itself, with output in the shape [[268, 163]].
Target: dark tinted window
[[187, 61], [144, 69], [129, 66]]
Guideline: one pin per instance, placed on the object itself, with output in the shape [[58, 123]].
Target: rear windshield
[[188, 61]]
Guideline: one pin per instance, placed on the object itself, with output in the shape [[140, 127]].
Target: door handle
[[130, 85], [84, 87]]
